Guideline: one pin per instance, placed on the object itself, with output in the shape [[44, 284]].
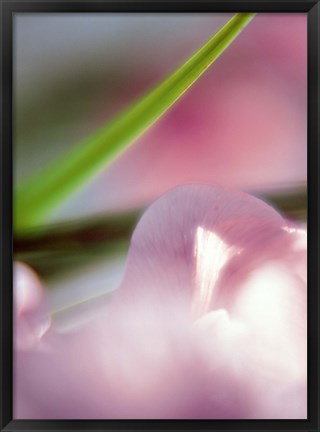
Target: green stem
[[47, 189]]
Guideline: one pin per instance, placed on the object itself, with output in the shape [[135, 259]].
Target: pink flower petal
[[228, 259], [31, 322], [209, 322], [173, 236]]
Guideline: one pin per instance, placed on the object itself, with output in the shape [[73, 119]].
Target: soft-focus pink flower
[[209, 322]]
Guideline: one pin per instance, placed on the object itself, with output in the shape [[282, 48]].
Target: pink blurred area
[[243, 124], [208, 322]]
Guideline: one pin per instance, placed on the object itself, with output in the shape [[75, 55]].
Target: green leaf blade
[[47, 189]]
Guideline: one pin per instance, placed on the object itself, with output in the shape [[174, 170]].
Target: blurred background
[[242, 125]]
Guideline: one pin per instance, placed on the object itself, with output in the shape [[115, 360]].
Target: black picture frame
[[8, 9]]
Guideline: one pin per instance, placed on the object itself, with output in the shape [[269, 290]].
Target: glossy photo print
[[160, 216]]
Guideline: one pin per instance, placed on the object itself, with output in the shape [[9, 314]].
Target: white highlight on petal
[[31, 321], [291, 230], [211, 253], [27, 289], [272, 305], [301, 237]]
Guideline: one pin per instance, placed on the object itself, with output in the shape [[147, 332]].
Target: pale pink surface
[[30, 317], [209, 322], [243, 124]]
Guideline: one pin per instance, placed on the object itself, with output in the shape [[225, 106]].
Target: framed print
[[160, 211]]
